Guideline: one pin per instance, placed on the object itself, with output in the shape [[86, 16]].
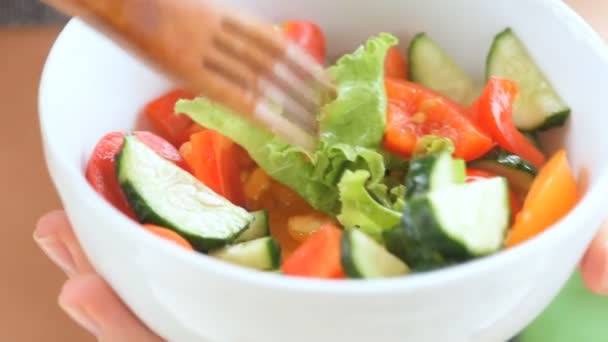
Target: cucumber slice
[[262, 254], [420, 258], [432, 67], [433, 172], [362, 257], [456, 223], [257, 228], [162, 193], [538, 106], [534, 139], [516, 170]]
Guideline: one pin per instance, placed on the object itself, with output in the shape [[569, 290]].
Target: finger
[[594, 265], [94, 305], [54, 235]]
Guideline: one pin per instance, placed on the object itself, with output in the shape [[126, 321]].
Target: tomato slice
[[162, 147], [101, 167], [215, 161], [395, 65], [494, 113], [552, 195], [308, 36], [415, 111], [476, 174], [318, 256], [101, 172], [171, 126]]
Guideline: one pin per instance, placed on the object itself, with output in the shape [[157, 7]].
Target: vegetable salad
[[417, 166]]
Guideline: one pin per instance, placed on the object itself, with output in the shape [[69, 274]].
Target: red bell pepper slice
[[493, 111], [214, 160], [395, 64], [415, 111], [173, 127], [308, 36], [318, 256]]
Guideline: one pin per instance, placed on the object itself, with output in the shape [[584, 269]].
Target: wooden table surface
[[30, 283]]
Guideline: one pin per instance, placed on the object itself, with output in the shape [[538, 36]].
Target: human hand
[[85, 296], [594, 265]]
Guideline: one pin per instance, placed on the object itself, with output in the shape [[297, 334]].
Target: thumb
[[594, 265], [89, 301]]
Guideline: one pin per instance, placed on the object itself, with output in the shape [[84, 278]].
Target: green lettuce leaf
[[351, 125], [431, 144], [358, 115], [360, 209]]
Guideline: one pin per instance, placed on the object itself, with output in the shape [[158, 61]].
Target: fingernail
[[80, 316], [57, 251]]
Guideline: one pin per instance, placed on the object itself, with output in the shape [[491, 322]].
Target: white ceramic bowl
[[90, 87]]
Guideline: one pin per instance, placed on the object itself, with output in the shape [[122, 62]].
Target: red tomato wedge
[[101, 168], [169, 235], [162, 147], [318, 256], [215, 162], [101, 172], [415, 111], [476, 174], [308, 36], [552, 195], [493, 111], [395, 64], [171, 126]]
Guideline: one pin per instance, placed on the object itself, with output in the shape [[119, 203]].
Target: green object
[[360, 209], [261, 254], [257, 228], [162, 193], [354, 120], [357, 116], [576, 315], [538, 106], [431, 144], [362, 257], [440, 222], [433, 172], [518, 171], [534, 139], [431, 66]]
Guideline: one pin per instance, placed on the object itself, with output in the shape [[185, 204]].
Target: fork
[[220, 53]]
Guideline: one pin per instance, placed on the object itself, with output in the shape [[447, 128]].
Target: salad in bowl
[[417, 167]]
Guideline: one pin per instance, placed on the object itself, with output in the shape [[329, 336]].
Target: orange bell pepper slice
[[552, 195]]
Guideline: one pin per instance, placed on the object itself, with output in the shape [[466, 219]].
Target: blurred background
[[30, 283]]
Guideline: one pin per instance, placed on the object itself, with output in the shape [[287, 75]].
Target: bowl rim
[[585, 209]]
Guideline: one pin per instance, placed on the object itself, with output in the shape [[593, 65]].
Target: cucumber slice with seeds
[[538, 106], [257, 228], [431, 66], [363, 257], [453, 224], [433, 172], [261, 254], [162, 193]]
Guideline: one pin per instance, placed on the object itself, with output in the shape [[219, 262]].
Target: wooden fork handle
[[172, 35]]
